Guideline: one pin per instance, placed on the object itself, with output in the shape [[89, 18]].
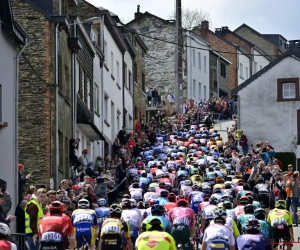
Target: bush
[[286, 158]]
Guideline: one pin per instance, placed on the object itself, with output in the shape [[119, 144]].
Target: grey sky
[[265, 16]]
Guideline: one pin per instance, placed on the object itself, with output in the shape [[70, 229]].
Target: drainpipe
[[16, 140], [239, 114], [102, 81], [191, 65], [123, 94], [218, 78], [74, 90], [56, 106]]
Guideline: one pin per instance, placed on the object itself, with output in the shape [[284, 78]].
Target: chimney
[[138, 13], [205, 25], [225, 28]]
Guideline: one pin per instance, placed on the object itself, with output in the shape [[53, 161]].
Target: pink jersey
[[202, 205], [182, 215], [237, 189], [238, 211]]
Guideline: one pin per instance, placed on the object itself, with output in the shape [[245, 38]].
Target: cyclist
[[253, 239], [112, 230], [195, 198], [248, 214], [265, 227], [182, 219], [154, 237], [157, 211], [133, 220], [163, 199], [282, 223], [263, 193], [102, 211], [239, 210], [55, 226], [172, 202], [208, 212], [4, 234], [245, 191], [85, 222], [218, 235]]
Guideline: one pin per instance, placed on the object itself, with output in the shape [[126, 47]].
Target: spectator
[[72, 151], [244, 143], [3, 218], [268, 154], [6, 206], [29, 192], [22, 180], [294, 185], [20, 216], [116, 145], [98, 164], [163, 101], [154, 97], [83, 159], [51, 196], [89, 171], [149, 96], [138, 126], [123, 136], [33, 215], [171, 99]]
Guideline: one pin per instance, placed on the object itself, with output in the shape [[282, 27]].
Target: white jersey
[[208, 212], [159, 172], [219, 232], [139, 213], [150, 163], [186, 190], [132, 217], [150, 195], [238, 211], [136, 193]]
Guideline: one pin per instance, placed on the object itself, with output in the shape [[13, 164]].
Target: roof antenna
[[138, 8]]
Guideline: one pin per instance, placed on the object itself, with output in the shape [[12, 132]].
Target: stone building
[[46, 114], [159, 35]]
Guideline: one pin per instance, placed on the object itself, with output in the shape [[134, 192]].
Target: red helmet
[[244, 200], [181, 200], [172, 197], [57, 206]]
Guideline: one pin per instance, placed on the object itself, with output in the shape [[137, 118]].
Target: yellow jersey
[[280, 217], [155, 240], [115, 226]]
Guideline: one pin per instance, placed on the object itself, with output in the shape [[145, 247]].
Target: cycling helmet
[[218, 190], [249, 208], [252, 225], [280, 204], [181, 201], [224, 198], [244, 200], [219, 180], [228, 186], [171, 197], [206, 197], [115, 208], [4, 229], [151, 189], [164, 193], [135, 185], [217, 167], [162, 184], [246, 187], [227, 205], [187, 183], [240, 183], [220, 213], [260, 212], [57, 206], [158, 208], [126, 204], [197, 178], [83, 204], [144, 174], [238, 176], [194, 171], [260, 179], [175, 191], [206, 189], [133, 203], [249, 193], [213, 200], [195, 188], [147, 226], [101, 202], [127, 196], [153, 202], [140, 205]]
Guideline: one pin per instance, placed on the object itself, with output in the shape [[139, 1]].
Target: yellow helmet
[[238, 176]]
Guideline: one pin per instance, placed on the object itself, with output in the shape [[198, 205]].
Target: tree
[[191, 17]]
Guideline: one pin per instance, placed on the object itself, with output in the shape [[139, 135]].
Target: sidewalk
[[221, 127]]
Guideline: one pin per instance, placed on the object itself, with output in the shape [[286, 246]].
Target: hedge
[[286, 158]]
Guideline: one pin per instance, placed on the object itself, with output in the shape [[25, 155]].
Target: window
[[60, 73], [204, 91], [194, 59], [118, 72], [255, 67], [223, 70], [199, 90], [88, 94], [199, 60], [288, 89], [145, 29], [105, 108], [94, 36], [143, 83], [129, 80], [125, 76], [77, 75], [112, 63], [96, 98], [241, 71], [194, 87], [67, 84], [204, 63], [246, 73]]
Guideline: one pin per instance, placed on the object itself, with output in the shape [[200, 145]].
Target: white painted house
[[270, 104], [197, 66], [244, 62], [12, 40]]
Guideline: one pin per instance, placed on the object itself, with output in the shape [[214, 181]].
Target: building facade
[[198, 69], [273, 92]]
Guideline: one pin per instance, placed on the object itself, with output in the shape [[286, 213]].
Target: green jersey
[[242, 193], [256, 204], [242, 221], [211, 174], [266, 229]]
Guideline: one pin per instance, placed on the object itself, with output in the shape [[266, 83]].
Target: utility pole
[[179, 50]]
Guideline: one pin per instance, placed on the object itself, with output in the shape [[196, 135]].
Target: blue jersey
[[253, 242], [144, 180], [166, 223], [196, 199], [102, 214], [162, 201]]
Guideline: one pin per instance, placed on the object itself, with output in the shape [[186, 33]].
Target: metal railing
[[19, 240]]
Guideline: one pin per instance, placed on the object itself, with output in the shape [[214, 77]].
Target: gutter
[[123, 90], [56, 106], [102, 81]]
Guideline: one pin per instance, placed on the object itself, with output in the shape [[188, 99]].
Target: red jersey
[[169, 206], [55, 228], [6, 245]]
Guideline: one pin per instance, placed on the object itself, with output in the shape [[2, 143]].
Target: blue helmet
[[101, 202]]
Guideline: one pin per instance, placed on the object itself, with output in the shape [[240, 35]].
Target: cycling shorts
[[195, 206], [181, 235], [87, 233], [134, 234], [281, 232], [52, 245], [111, 242], [264, 200]]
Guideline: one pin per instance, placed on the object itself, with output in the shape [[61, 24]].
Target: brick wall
[[34, 93], [236, 40], [221, 46]]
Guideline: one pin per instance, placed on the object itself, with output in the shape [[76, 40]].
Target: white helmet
[[133, 203], [4, 229], [83, 204]]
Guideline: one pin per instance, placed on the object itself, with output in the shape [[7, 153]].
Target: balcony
[[74, 44]]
